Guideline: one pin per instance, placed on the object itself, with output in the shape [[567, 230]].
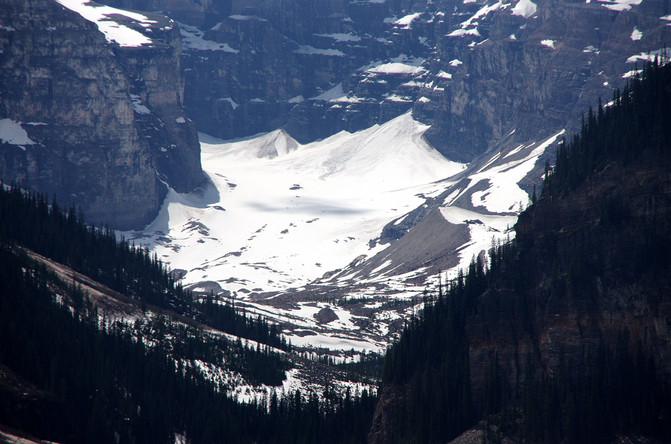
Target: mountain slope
[[564, 337], [95, 95], [291, 230], [93, 332], [279, 214]]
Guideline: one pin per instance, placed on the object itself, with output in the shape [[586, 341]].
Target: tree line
[[94, 379], [618, 389]]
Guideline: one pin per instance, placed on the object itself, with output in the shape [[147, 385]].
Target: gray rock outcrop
[[101, 124]]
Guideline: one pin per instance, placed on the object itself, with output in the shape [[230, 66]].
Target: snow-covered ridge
[[278, 214], [103, 17]]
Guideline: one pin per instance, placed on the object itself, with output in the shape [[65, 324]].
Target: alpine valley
[[335, 221]]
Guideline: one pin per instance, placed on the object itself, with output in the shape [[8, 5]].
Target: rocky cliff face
[[157, 84], [476, 71], [99, 122], [532, 70]]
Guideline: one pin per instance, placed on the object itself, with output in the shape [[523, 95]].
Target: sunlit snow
[[13, 133], [397, 65], [648, 56], [525, 8], [636, 34], [504, 192], [102, 16], [279, 217], [549, 43], [279, 214], [332, 94], [619, 5], [407, 20]]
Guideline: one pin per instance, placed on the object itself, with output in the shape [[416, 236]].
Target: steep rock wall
[[486, 71], [78, 100], [61, 80], [157, 82]]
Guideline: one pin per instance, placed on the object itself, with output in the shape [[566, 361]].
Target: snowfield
[[293, 232], [278, 214]]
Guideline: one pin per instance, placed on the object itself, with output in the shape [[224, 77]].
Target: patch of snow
[[514, 151], [341, 37], [332, 94], [401, 64], [246, 18], [311, 50], [619, 5], [397, 98], [180, 120], [297, 99], [549, 43], [464, 32], [455, 62], [348, 99], [504, 195], [524, 8], [398, 68], [482, 12], [444, 75], [636, 34], [13, 133], [113, 31], [647, 56], [469, 27], [229, 100], [331, 342], [138, 107], [632, 73], [483, 230], [192, 38], [406, 21]]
